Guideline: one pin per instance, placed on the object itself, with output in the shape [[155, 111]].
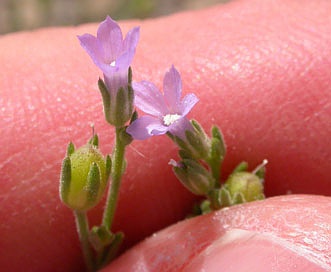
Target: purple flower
[[111, 53], [166, 111]]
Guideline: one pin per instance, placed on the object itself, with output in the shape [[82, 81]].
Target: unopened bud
[[193, 176]]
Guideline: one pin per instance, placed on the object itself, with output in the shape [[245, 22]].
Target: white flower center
[[113, 63], [169, 119]]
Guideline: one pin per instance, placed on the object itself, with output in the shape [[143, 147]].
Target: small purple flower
[[111, 53], [167, 112]]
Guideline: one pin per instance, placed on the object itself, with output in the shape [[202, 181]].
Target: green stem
[[116, 174], [83, 231]]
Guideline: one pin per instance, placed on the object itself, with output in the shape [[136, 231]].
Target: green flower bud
[[193, 176], [244, 187], [84, 177]]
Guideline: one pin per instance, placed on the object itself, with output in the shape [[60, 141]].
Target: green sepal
[[224, 197], [219, 144], [121, 102], [108, 166], [130, 76], [123, 106], [261, 173], [105, 99], [112, 249], [198, 128], [181, 143], [134, 117], [70, 149], [65, 179], [197, 144], [215, 159], [214, 197], [93, 183], [205, 207], [199, 140], [124, 137], [130, 100], [238, 198], [241, 167], [184, 154], [94, 141], [100, 237]]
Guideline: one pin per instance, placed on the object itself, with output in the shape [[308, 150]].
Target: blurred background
[[16, 15]]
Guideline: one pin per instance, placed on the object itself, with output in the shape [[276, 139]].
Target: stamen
[[169, 119], [113, 63]]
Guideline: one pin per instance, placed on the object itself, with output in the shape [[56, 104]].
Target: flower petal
[[172, 89], [92, 46], [129, 48], [110, 36], [179, 127], [149, 99], [145, 127], [188, 103]]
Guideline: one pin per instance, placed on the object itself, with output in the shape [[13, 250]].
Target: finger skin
[[260, 69], [270, 235]]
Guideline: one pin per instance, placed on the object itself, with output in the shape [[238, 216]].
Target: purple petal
[[131, 39], [149, 99], [129, 48], [179, 127], [172, 89], [92, 46], [188, 103], [110, 36], [124, 60], [145, 127]]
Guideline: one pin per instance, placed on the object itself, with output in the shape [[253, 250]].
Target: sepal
[[94, 141], [70, 149]]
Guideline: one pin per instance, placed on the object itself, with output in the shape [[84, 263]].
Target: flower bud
[[244, 187], [84, 177], [193, 176]]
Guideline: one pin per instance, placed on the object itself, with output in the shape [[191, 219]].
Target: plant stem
[[116, 174], [83, 230]]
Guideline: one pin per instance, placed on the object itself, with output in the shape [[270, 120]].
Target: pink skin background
[[262, 72]]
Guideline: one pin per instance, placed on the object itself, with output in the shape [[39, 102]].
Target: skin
[[261, 71]]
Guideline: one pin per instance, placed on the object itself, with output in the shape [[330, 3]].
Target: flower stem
[[83, 230], [116, 174]]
